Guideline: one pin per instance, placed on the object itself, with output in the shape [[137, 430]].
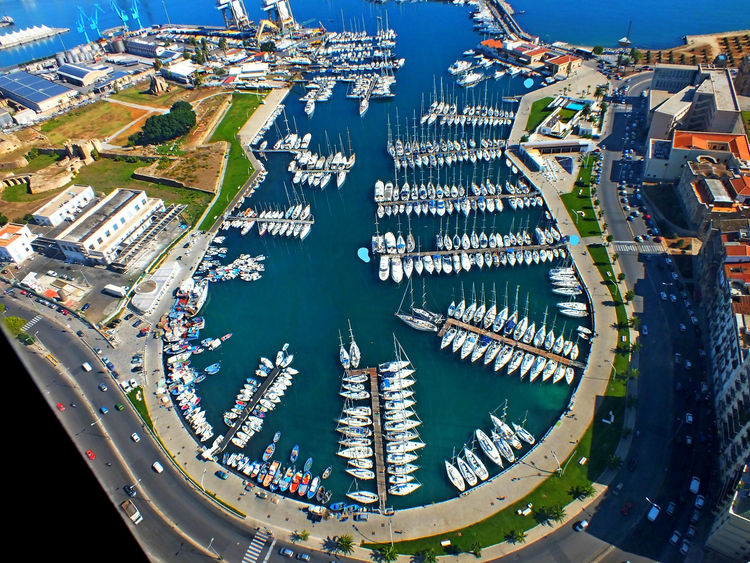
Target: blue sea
[[587, 22]]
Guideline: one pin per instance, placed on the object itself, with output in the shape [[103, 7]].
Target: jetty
[[249, 407], [255, 218], [511, 342], [377, 433], [530, 247]]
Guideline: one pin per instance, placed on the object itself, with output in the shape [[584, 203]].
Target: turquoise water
[[311, 289]]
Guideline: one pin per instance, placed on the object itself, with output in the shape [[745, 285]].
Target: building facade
[[730, 532], [15, 243], [98, 235], [65, 206]]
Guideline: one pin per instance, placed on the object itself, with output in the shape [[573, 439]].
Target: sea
[[311, 291]]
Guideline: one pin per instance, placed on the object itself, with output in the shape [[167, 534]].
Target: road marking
[[256, 547], [52, 359], [628, 247], [270, 550], [31, 323]]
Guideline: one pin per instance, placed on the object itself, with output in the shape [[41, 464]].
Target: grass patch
[[566, 115], [578, 202], [19, 193], [136, 398], [746, 119], [538, 113], [663, 196], [107, 174], [238, 168], [98, 120], [38, 162], [136, 96]]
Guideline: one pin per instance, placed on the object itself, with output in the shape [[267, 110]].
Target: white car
[[135, 437], [663, 295]]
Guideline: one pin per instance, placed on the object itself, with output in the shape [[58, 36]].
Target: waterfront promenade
[[283, 515]]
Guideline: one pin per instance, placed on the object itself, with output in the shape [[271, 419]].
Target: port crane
[[135, 14], [122, 14]]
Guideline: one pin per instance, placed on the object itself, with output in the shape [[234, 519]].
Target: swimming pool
[[575, 106]]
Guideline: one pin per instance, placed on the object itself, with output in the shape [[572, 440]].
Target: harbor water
[[311, 289]]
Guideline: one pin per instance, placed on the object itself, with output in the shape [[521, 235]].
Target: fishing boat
[[269, 451], [213, 368], [295, 482], [314, 484], [276, 437], [327, 472], [294, 454], [308, 464], [305, 484]]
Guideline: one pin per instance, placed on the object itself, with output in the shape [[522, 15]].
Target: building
[[694, 99], [82, 75], [742, 80], [533, 153], [709, 187], [563, 64], [143, 47], [666, 159], [730, 532], [723, 282], [15, 243], [98, 235], [182, 71], [34, 92], [518, 52], [64, 206]]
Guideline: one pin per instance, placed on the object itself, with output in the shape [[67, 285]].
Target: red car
[[625, 510], [60, 407], [91, 455]]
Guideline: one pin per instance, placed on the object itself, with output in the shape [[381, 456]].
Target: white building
[[15, 243], [65, 206], [730, 532], [115, 221]]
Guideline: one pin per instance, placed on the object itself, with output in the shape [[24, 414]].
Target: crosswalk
[[256, 547], [629, 247], [32, 322]]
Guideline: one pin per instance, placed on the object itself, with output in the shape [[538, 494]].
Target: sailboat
[[354, 354], [476, 464], [454, 476], [488, 447], [343, 354]]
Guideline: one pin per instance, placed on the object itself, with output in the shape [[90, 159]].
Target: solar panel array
[[21, 86]]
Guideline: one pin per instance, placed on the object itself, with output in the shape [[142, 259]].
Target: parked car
[[581, 525], [674, 540]]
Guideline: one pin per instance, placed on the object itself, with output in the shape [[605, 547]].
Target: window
[[115, 226], [137, 207], [122, 220], [99, 240]]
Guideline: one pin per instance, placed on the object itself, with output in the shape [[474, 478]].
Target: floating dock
[[511, 342]]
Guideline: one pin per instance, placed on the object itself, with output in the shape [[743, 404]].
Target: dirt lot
[[703, 49], [198, 168]]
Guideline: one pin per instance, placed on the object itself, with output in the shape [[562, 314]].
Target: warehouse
[[82, 75], [33, 92]]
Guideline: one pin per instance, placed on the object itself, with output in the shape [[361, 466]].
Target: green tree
[[610, 238], [268, 47], [3, 219], [428, 556], [598, 50], [345, 544], [303, 535], [223, 43], [14, 325], [476, 549], [630, 295], [185, 54], [160, 128], [388, 554], [635, 55], [556, 513], [614, 462], [516, 536], [580, 492], [158, 64], [620, 276]]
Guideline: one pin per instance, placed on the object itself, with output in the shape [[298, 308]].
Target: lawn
[[538, 113], [579, 205], [37, 162], [238, 168], [566, 115], [20, 194], [106, 174], [136, 398], [746, 119], [98, 120], [137, 96]]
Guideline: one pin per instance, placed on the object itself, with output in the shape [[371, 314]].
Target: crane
[[81, 24], [120, 12], [135, 14], [94, 19]]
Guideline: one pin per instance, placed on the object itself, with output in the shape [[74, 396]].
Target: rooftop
[[10, 232], [61, 199], [719, 83], [31, 87], [90, 221], [728, 142]]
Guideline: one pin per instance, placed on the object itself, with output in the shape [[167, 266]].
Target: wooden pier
[[377, 434], [511, 342], [251, 404], [529, 247]]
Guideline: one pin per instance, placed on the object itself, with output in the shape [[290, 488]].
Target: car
[[674, 540], [689, 420], [137, 323], [286, 552], [695, 485], [625, 510], [690, 532], [119, 406], [91, 455], [616, 490], [638, 238], [129, 316], [663, 295], [695, 516], [98, 351], [104, 410], [644, 330], [85, 306], [694, 319], [673, 298], [671, 508], [156, 466], [102, 387], [685, 547], [688, 440], [60, 407], [130, 490], [674, 276], [688, 364], [683, 328], [653, 512], [581, 525], [186, 245], [700, 500], [303, 557], [630, 218], [135, 437], [626, 208]]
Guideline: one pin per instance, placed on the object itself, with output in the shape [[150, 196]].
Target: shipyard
[[351, 291]]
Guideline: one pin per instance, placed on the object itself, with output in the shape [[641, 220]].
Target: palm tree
[[428, 556], [614, 461], [580, 492], [519, 536], [345, 544], [388, 554], [636, 346], [556, 513], [476, 549]]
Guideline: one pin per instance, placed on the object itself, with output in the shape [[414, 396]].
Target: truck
[[129, 507], [115, 290]]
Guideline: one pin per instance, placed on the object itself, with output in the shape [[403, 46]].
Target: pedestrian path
[[629, 247], [256, 546], [31, 323]]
